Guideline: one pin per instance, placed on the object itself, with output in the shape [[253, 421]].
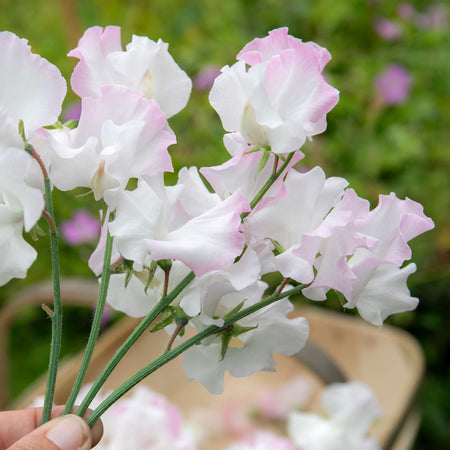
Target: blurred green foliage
[[378, 148]]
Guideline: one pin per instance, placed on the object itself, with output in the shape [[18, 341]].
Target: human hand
[[21, 430]]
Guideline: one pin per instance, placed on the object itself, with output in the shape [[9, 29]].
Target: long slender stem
[[55, 345], [171, 354], [96, 323], [271, 181], [132, 338]]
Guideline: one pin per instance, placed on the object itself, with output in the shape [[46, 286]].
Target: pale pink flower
[[120, 135], [184, 222], [145, 66], [394, 84], [282, 98], [82, 228]]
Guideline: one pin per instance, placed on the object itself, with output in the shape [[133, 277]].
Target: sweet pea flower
[[183, 222], [120, 135], [145, 66], [282, 98], [363, 256], [301, 208], [351, 409], [31, 92], [394, 84]]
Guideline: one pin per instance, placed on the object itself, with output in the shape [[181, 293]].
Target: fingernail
[[69, 433]]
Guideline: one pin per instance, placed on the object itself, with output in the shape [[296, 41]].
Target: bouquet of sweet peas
[[193, 254]]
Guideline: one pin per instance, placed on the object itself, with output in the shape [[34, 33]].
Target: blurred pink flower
[[394, 84], [82, 228], [205, 78], [72, 111], [434, 18], [387, 29], [405, 11]]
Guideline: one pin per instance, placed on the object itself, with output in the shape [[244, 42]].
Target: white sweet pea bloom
[[300, 209], [31, 89], [282, 98], [252, 350], [351, 409], [362, 257], [183, 222], [120, 135], [146, 66]]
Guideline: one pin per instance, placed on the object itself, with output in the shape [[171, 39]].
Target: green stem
[[269, 183], [132, 338], [96, 323], [169, 355], [55, 345]]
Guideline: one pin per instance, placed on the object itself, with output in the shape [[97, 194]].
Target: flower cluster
[[264, 215]]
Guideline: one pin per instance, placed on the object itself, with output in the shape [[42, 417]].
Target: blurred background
[[389, 132]]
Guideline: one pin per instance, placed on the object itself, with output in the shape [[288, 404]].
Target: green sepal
[[341, 298], [226, 338], [71, 124], [235, 310], [263, 161], [36, 232], [21, 128], [258, 148], [162, 323], [56, 126], [278, 248], [165, 264], [151, 274]]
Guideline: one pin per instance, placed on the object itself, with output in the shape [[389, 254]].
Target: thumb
[[69, 432]]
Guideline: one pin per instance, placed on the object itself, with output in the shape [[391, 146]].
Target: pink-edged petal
[[31, 88], [94, 70], [207, 242], [296, 88], [394, 222]]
